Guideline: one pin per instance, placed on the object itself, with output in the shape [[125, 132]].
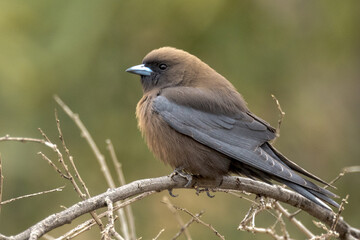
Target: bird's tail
[[318, 196], [312, 195]]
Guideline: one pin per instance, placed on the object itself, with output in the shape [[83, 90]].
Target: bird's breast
[[176, 149]]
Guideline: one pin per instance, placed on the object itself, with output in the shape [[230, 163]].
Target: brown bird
[[193, 119]]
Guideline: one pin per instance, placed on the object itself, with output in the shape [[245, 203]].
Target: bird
[[193, 119]]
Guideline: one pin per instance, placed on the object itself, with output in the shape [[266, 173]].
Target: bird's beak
[[140, 70]]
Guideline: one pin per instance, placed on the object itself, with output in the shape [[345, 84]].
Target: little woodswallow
[[194, 119]]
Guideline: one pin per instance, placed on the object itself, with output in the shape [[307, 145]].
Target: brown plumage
[[193, 119]]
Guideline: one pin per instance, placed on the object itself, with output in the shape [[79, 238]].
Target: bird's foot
[[199, 190], [182, 173], [171, 193]]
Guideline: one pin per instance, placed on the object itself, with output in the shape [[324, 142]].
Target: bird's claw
[[171, 193], [180, 172], [208, 194], [199, 190]]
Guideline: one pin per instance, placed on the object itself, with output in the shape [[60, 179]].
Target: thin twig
[[120, 174], [281, 221], [178, 218], [157, 236], [48, 237], [89, 223], [100, 157], [68, 173], [54, 166], [1, 182], [110, 229], [281, 116], [186, 225], [59, 189], [341, 208], [117, 164], [343, 172], [77, 174], [70, 157], [198, 220], [85, 134], [293, 220], [25, 139]]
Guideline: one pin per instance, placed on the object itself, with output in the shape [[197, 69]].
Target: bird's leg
[[180, 171]]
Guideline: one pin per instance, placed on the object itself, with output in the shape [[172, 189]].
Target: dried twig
[[25, 140], [59, 189], [186, 225], [110, 229], [157, 236], [100, 157], [54, 166], [64, 165], [89, 223], [178, 218], [71, 159], [198, 220], [293, 220], [85, 134], [163, 183], [281, 116], [68, 173], [120, 174], [343, 172], [1, 182], [48, 237], [341, 208], [248, 223]]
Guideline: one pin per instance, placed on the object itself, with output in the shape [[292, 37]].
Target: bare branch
[[198, 220], [344, 171], [85, 134], [71, 159], [157, 236], [341, 208], [186, 225], [59, 189], [110, 229], [68, 173], [281, 116], [293, 220], [25, 140], [120, 174], [1, 183], [178, 218], [100, 157], [163, 183], [89, 223]]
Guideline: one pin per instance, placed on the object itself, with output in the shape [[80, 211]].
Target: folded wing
[[243, 137]]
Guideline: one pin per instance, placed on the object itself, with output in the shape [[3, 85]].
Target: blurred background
[[305, 53]]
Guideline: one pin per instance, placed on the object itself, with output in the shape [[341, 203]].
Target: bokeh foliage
[[307, 53]]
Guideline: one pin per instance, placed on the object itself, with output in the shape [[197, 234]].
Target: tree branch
[[163, 183]]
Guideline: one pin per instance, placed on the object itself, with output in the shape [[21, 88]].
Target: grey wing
[[239, 137]]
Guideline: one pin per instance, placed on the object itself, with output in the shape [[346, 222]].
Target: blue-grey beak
[[140, 70]]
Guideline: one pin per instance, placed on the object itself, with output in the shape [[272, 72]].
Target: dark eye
[[162, 66]]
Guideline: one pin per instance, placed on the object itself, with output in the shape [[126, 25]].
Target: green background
[[307, 53]]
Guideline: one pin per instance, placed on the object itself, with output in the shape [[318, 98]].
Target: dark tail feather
[[277, 155], [325, 198], [309, 195]]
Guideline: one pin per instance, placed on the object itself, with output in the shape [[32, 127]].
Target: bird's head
[[170, 67]]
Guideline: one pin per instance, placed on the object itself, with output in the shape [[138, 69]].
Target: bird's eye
[[163, 66]]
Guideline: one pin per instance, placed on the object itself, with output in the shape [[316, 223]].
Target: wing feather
[[239, 137]]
